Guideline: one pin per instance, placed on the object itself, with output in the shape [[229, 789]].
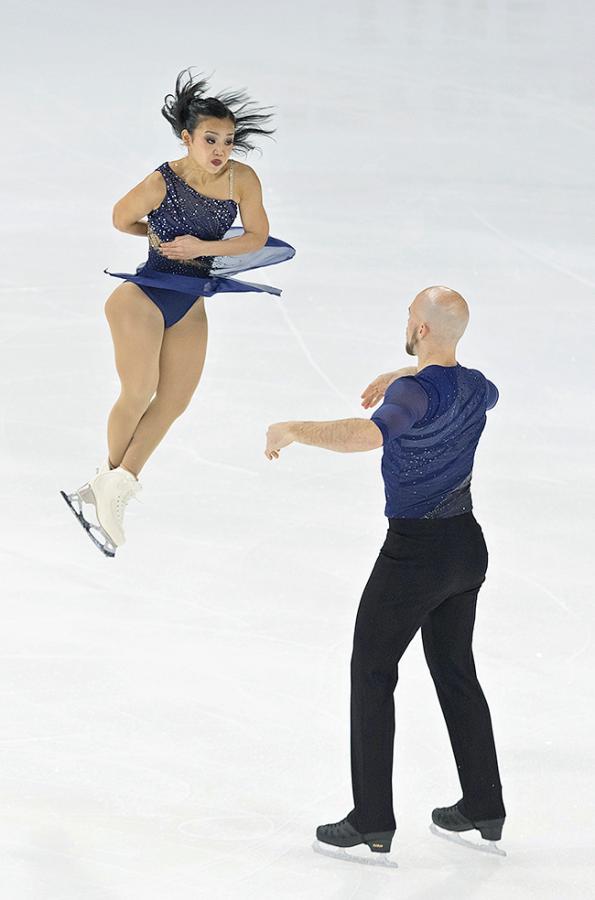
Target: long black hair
[[189, 105]]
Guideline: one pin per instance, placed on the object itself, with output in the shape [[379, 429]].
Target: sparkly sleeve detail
[[405, 403]]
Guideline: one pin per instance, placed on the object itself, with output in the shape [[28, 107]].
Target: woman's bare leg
[[137, 329], [181, 362]]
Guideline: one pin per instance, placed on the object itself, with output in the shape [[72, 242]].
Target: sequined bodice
[[186, 211]]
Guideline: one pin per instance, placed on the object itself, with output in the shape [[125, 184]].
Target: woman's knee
[[172, 406], [136, 397]]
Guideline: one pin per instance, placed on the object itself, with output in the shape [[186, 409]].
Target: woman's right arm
[[138, 203]]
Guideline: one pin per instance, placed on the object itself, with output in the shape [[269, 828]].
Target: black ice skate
[[342, 835], [451, 821]]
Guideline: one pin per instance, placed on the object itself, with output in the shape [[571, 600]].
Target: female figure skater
[[157, 316]]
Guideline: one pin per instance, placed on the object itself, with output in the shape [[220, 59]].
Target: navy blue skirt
[[174, 294]]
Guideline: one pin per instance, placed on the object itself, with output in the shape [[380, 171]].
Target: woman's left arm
[[254, 218], [254, 221]]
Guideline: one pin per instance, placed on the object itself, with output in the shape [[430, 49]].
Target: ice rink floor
[[175, 722]]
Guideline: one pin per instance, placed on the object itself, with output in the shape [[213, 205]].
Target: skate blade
[[455, 838], [359, 854], [99, 537]]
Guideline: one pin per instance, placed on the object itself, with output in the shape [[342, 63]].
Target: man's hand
[[183, 247], [278, 435], [376, 390]]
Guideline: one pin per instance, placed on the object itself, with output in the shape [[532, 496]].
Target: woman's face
[[211, 143]]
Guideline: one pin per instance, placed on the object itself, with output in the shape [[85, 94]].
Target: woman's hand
[[376, 390], [185, 246]]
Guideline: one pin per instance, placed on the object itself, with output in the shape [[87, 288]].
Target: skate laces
[[334, 827], [131, 489]]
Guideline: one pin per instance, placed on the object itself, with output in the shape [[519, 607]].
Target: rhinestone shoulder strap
[[231, 179]]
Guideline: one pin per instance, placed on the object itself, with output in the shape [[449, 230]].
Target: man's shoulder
[[480, 381], [473, 375], [404, 387], [407, 392], [472, 372]]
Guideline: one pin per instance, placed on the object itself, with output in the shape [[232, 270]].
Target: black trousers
[[428, 575]]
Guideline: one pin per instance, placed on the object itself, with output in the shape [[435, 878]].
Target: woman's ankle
[[126, 469]]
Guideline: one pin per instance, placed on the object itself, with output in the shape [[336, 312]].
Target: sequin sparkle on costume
[[185, 210]]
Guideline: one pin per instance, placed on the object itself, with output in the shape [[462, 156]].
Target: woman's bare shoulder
[[147, 195], [245, 177], [154, 187], [154, 179]]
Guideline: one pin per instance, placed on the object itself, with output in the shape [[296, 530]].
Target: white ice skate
[[108, 493]]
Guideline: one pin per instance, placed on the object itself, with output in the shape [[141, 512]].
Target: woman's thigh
[[182, 358], [137, 329]]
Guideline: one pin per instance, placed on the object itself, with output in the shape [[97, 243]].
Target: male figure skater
[[428, 573]]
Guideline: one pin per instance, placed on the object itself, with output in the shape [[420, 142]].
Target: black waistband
[[431, 526]]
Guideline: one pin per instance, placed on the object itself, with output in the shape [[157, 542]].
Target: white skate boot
[[113, 489], [108, 493], [103, 466]]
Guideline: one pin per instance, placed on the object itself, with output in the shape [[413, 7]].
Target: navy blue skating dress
[[175, 285]]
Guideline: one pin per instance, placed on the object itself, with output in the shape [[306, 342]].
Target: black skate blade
[[455, 837], [351, 854], [88, 527]]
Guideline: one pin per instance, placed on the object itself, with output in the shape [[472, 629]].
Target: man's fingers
[[371, 400], [372, 388]]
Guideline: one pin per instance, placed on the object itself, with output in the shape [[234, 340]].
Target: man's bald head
[[444, 315]]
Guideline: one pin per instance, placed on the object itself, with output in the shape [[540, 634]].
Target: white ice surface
[[175, 721]]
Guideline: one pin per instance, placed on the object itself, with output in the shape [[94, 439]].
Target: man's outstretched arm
[[341, 435], [404, 404]]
